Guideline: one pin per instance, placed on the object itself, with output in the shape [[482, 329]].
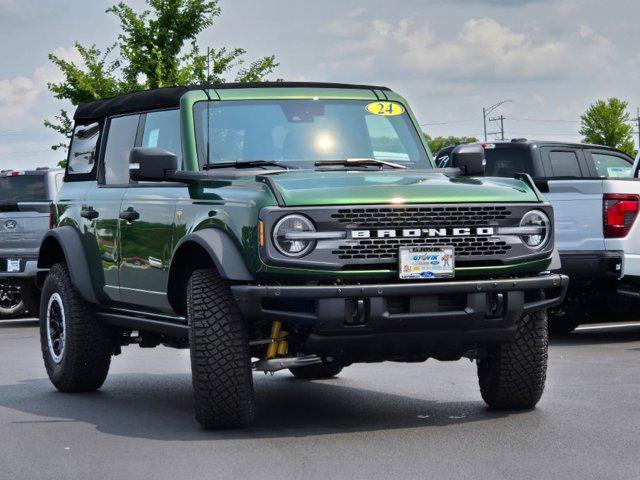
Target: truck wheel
[[512, 376], [11, 304], [76, 346], [220, 357], [317, 372]]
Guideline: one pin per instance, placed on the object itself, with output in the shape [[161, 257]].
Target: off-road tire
[[318, 371], [512, 376], [88, 343], [220, 357]]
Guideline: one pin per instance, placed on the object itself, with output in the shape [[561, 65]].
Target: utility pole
[[487, 111], [501, 132]]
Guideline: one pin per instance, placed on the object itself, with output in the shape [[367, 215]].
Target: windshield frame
[[415, 134]]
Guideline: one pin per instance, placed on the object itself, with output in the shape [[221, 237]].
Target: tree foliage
[[607, 123], [438, 143], [156, 47]]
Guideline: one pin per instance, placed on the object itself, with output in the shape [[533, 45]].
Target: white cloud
[[483, 48]]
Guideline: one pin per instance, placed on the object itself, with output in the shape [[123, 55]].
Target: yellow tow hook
[[278, 345]]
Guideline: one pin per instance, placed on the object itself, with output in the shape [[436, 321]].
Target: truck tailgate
[[577, 206], [22, 231]]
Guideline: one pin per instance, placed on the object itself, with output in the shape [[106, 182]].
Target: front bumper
[[28, 267], [404, 319]]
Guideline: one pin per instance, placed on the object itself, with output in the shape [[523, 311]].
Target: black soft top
[[169, 97]]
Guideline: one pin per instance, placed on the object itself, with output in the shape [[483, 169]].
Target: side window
[[82, 153], [564, 164], [611, 165], [162, 130], [121, 138]]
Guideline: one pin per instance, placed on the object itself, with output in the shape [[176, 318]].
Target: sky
[[448, 58]]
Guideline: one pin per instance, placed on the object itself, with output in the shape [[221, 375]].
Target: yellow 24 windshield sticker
[[386, 109]]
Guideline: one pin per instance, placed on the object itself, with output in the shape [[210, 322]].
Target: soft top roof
[[169, 97]]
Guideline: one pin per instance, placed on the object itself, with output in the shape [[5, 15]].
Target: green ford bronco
[[297, 226]]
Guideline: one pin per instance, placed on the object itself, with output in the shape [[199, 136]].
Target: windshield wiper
[[248, 164], [359, 162]]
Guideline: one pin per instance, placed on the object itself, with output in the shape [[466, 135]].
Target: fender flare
[[67, 240], [223, 252]]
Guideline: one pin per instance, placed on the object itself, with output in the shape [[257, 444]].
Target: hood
[[307, 188]]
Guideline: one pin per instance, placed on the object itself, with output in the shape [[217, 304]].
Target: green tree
[[607, 123], [438, 143], [156, 47]]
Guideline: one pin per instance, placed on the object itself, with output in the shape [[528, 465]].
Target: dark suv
[[299, 224]]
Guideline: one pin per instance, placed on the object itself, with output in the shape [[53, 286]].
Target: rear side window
[[162, 130], [506, 162], [82, 153], [121, 138], [22, 188], [565, 164], [611, 166]]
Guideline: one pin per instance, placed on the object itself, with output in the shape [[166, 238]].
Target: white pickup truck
[[595, 195]]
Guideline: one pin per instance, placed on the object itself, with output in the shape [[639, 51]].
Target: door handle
[[129, 215], [89, 213]]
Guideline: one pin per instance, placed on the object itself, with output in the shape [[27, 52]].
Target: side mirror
[[151, 164], [469, 159]]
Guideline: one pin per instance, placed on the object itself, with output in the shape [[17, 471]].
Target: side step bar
[[629, 291], [155, 324]]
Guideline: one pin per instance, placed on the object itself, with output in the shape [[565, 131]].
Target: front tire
[[76, 346], [220, 357], [512, 376]]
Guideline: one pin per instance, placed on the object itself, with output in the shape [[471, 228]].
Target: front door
[[146, 232]]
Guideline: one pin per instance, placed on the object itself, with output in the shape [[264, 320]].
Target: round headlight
[[289, 235], [536, 218]]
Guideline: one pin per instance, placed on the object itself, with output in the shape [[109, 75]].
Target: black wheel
[[76, 346], [31, 298], [220, 357], [318, 371], [512, 376], [11, 303]]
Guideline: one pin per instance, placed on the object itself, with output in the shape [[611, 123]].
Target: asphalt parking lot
[[374, 421]]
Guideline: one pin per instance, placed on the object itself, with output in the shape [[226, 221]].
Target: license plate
[[426, 262], [13, 265]]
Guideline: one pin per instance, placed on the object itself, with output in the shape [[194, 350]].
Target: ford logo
[[10, 224]]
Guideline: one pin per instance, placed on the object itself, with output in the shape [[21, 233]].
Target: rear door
[[104, 201], [576, 199]]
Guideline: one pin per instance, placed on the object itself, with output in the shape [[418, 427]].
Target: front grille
[[387, 248], [387, 217]]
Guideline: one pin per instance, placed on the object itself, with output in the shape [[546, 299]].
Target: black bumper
[[404, 319], [589, 265]]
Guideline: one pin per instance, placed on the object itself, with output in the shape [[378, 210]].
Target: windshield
[[301, 132], [21, 188]]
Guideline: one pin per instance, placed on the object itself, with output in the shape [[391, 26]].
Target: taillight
[[620, 211]]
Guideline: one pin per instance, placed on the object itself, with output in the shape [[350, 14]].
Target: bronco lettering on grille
[[422, 232]]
